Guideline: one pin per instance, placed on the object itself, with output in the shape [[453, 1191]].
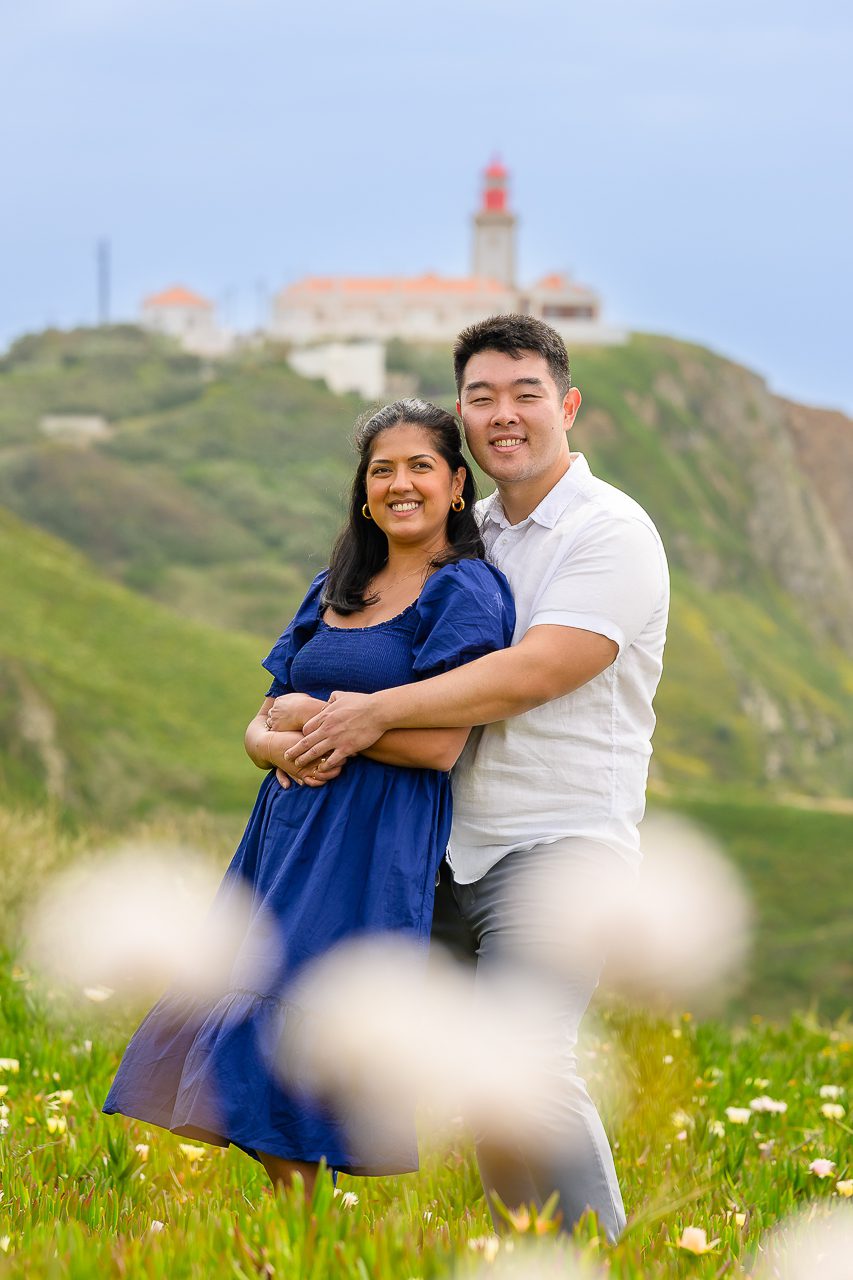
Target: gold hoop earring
[[365, 511], [458, 503]]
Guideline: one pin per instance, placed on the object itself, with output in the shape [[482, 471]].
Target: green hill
[[219, 491], [112, 706]]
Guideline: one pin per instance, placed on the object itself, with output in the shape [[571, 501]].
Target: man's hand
[[349, 723], [286, 771]]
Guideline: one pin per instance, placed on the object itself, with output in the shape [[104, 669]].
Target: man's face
[[515, 418]]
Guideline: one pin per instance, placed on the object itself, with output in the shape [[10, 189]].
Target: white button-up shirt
[[587, 557]]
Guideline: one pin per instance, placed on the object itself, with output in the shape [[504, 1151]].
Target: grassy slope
[[79, 1202], [110, 701]]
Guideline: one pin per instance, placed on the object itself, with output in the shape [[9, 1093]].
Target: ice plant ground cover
[[85, 1196]]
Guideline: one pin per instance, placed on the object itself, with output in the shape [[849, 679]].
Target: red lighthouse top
[[495, 188]]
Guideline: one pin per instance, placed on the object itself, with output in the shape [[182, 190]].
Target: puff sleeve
[[464, 611], [296, 634]]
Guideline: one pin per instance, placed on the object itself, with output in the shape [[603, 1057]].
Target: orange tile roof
[[177, 296], [562, 283], [428, 283]]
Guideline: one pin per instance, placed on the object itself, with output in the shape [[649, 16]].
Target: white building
[[345, 366], [432, 308], [189, 318]]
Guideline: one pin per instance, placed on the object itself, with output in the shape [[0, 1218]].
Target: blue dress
[[357, 856]]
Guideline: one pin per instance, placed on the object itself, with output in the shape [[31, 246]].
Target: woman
[[407, 595]]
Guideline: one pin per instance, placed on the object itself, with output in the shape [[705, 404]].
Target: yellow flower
[[845, 1187], [56, 1124], [4, 1089], [191, 1152], [737, 1217], [10, 1064], [65, 1096], [695, 1240], [5, 1241], [832, 1111]]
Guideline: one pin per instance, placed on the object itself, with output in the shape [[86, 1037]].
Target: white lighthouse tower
[[494, 230]]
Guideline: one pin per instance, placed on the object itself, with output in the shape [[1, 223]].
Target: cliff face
[[778, 474]]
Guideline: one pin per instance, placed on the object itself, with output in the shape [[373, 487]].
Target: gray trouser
[[582, 1172]]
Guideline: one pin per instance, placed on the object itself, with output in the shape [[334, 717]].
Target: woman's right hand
[[289, 711]]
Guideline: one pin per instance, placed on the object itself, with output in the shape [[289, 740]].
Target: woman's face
[[410, 487]]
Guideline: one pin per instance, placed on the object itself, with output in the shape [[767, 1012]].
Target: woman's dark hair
[[361, 548]]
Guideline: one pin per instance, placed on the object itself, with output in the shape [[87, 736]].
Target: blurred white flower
[[770, 1105], [832, 1111], [816, 1244], [738, 1115], [156, 1226], [680, 931], [378, 1030], [822, 1168], [717, 1128], [831, 1091], [141, 1150], [145, 916], [10, 1064]]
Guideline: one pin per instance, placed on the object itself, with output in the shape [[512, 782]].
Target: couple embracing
[[517, 642]]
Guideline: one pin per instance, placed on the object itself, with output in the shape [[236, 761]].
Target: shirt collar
[[552, 505]]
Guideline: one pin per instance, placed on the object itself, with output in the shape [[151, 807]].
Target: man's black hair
[[514, 335]]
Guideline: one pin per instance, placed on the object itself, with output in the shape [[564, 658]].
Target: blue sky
[[692, 161]]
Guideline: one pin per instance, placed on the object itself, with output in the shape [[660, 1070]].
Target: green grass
[[80, 1198]]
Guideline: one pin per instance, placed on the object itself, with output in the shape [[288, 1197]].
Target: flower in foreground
[[5, 1241], [738, 1115], [98, 994], [487, 1245], [156, 1225], [768, 1104], [348, 1199], [832, 1091], [845, 1187], [695, 1240], [192, 1153], [717, 1128], [832, 1111], [822, 1168], [10, 1064], [141, 1150], [56, 1124]]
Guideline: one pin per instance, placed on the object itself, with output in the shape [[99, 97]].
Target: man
[[557, 775]]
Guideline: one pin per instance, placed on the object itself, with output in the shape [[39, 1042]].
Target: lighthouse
[[494, 230]]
